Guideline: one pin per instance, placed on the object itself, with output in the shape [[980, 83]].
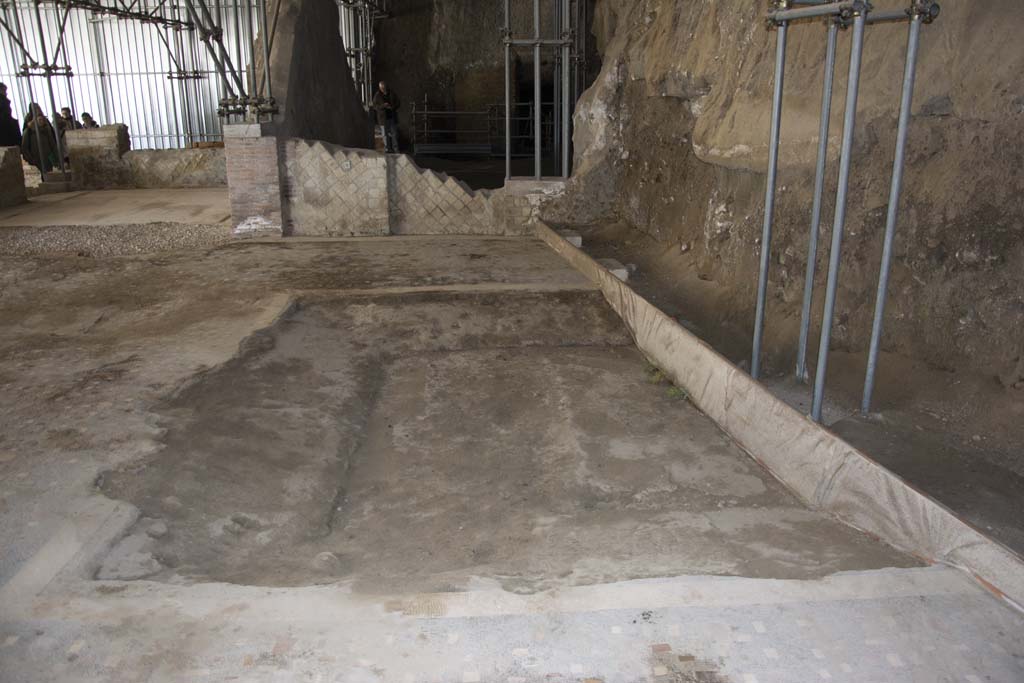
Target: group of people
[[41, 142]]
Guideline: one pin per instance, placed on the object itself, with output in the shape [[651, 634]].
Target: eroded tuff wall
[[315, 93], [672, 139]]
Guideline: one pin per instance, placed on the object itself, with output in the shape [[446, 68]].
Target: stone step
[[617, 269], [572, 237], [57, 177]]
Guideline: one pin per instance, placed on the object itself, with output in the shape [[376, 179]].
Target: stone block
[[101, 158], [572, 237], [96, 157], [529, 186], [615, 268], [183, 168], [12, 177]]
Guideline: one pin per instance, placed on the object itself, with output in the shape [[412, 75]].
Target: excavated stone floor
[[423, 459]]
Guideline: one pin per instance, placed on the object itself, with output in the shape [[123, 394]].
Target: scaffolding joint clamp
[[927, 10], [775, 6], [858, 8]]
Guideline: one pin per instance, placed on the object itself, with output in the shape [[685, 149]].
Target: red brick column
[[254, 178]]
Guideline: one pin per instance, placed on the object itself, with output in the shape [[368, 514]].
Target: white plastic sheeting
[[819, 467]]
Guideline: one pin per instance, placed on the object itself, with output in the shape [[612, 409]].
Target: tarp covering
[[819, 467]]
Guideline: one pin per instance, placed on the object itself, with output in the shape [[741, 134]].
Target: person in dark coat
[[386, 103], [39, 140], [70, 122], [10, 133], [88, 121]]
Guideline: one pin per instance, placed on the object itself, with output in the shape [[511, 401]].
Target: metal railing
[[561, 47], [482, 133]]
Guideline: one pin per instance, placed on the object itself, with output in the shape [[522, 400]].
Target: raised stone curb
[[818, 466]]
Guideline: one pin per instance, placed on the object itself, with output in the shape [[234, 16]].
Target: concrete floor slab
[[827, 472], [419, 443], [451, 370], [890, 625], [117, 207]]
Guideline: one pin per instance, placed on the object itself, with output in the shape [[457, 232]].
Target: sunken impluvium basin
[[419, 442]]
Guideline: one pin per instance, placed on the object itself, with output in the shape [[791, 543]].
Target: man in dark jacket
[[10, 131], [386, 104], [70, 122]]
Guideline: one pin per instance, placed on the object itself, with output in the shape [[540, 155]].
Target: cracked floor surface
[[424, 459]]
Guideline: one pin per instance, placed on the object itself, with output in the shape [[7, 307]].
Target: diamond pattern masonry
[[335, 192]]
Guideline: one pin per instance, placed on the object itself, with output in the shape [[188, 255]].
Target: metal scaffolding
[[356, 19], [165, 69], [859, 14], [566, 46]]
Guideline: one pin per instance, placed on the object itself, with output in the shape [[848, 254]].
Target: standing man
[[88, 121], [386, 104], [70, 123], [38, 140]]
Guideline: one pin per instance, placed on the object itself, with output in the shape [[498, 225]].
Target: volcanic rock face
[[672, 140]]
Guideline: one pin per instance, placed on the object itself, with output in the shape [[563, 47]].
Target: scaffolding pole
[[839, 224], [819, 191], [921, 12], [537, 107], [769, 198]]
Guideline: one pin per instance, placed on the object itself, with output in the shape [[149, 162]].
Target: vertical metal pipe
[[251, 47], [67, 64], [178, 117], [218, 21], [556, 85], [567, 102], [508, 92], [538, 133], [264, 28], [49, 87], [370, 42], [819, 190], [31, 93], [186, 110], [894, 202], [769, 197], [97, 52], [238, 37], [856, 48]]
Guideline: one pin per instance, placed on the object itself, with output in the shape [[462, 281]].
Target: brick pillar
[[254, 179]]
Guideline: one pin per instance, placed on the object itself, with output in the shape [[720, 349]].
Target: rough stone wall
[[672, 139], [12, 177], [100, 159], [335, 192], [314, 91]]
